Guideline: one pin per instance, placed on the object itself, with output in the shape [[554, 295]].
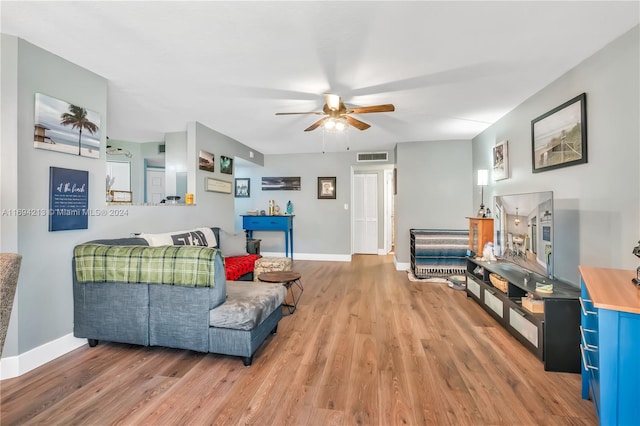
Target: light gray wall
[[434, 189], [44, 308], [320, 226], [596, 204]]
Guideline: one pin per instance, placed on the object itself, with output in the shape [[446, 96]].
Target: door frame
[[387, 213]]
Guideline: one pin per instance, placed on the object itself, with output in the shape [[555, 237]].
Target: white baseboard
[[18, 365], [312, 256], [401, 266]]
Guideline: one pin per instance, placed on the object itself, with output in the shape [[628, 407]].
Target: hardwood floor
[[366, 346]]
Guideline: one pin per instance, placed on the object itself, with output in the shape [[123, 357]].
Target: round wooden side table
[[289, 279]]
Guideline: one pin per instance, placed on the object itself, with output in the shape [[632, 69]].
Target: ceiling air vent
[[372, 156]]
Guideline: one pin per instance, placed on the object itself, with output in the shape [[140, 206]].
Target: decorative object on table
[[559, 137], [289, 207], [281, 183], [499, 282], [501, 161], [120, 196], [68, 199], [272, 205], [217, 185], [327, 188], [263, 213], [483, 179], [243, 186], [276, 210], [544, 287], [226, 165], [636, 251], [206, 161], [63, 127]]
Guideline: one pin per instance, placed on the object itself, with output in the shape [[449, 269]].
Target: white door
[[365, 213], [155, 185]]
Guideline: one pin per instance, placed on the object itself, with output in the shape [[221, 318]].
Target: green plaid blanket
[[190, 266]]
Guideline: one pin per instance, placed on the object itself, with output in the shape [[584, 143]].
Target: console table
[[553, 335], [271, 223], [610, 346]]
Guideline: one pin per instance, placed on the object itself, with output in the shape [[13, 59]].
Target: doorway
[[365, 213]]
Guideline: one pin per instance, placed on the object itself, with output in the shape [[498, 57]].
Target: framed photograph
[[120, 196], [206, 161], [217, 185], [501, 160], [559, 137], [281, 183], [243, 186], [226, 165], [64, 127], [327, 188]]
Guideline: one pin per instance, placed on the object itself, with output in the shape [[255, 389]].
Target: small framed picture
[[327, 188], [206, 161], [243, 186], [226, 165], [501, 160]]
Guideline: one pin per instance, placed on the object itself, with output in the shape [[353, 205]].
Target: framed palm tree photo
[[64, 127]]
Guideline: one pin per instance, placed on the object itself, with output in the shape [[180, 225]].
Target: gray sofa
[[228, 317]]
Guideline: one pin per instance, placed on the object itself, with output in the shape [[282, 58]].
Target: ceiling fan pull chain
[[323, 136]]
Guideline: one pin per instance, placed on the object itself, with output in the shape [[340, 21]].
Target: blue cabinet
[[610, 344], [271, 223]]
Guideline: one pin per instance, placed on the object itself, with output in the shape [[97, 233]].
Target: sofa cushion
[[247, 305], [237, 266], [194, 237], [233, 244]]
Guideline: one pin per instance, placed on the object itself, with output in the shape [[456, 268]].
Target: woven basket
[[499, 282]]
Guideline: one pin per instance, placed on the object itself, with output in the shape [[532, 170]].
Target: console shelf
[[553, 336]]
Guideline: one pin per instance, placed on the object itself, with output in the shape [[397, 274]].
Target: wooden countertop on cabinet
[[612, 288]]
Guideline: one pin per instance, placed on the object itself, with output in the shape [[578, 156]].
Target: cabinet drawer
[[473, 287], [527, 329], [494, 303], [265, 223]]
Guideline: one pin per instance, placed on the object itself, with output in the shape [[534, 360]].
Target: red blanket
[[237, 266]]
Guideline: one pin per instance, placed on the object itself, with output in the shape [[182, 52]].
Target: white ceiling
[[450, 68]]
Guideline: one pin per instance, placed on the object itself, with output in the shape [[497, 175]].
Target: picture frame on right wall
[[559, 137], [501, 160]]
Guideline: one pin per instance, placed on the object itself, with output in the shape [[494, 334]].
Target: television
[[523, 230]]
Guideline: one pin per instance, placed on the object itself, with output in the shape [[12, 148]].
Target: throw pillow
[[233, 244], [195, 237]]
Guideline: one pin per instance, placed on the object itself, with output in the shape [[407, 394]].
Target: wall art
[[501, 160], [226, 165], [559, 137], [64, 127], [68, 199], [243, 186], [327, 188], [206, 161], [281, 183]]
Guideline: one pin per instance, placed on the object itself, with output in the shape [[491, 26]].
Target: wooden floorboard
[[365, 347]]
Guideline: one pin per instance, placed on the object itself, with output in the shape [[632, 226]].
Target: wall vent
[[161, 148], [364, 157]]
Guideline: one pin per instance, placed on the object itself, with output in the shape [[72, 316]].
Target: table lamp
[[483, 179]]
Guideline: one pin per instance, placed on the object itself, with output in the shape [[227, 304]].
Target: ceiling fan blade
[[296, 113], [373, 108], [361, 125], [333, 101], [316, 124]]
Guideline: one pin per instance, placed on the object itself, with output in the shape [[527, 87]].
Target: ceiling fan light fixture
[[340, 125], [330, 124]]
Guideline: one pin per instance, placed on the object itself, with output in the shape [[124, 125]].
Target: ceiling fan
[[337, 115]]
